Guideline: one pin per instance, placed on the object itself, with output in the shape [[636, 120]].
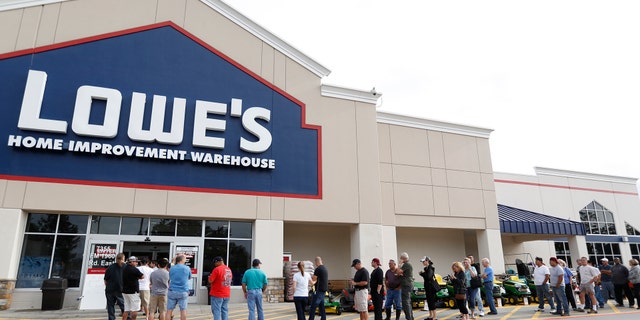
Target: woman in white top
[[301, 282]]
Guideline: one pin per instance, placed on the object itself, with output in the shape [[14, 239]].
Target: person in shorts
[[130, 289], [159, 280], [143, 285], [588, 276], [179, 276], [361, 284]]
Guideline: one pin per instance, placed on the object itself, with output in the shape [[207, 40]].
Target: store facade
[[162, 127]]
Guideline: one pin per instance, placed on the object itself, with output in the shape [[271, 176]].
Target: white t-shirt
[[143, 284], [587, 273], [539, 274], [302, 284]]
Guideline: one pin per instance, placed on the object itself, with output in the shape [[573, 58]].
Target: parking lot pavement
[[286, 311]]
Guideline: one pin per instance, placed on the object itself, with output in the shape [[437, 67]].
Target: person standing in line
[[541, 276], [143, 284], [487, 282], [377, 288], [459, 280], [360, 282], [478, 297], [113, 286], [321, 281], [130, 289], [556, 282], [620, 279], [470, 272], [406, 285], [634, 278], [301, 281], [220, 280], [254, 283], [179, 276], [606, 283], [589, 275], [568, 284], [392, 282], [431, 286], [159, 281], [596, 288]]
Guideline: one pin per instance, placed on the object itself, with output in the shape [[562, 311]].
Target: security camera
[[373, 91]]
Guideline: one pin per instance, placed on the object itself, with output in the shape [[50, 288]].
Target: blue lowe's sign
[[152, 107]]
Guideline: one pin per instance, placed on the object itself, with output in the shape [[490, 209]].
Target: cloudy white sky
[[557, 81]]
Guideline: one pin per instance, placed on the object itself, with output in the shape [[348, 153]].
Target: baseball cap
[[554, 259], [376, 260], [133, 258], [355, 261], [256, 262], [604, 259], [425, 258], [218, 258]]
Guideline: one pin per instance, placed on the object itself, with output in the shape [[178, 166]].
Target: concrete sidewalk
[[194, 311]]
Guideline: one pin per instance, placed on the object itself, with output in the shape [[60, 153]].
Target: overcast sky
[[557, 81]]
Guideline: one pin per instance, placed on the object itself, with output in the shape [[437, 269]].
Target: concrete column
[[490, 246], [268, 246], [367, 242], [11, 230], [578, 248]]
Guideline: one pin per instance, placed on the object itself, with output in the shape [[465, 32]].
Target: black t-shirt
[[376, 279], [361, 275], [130, 276], [322, 275], [113, 276]]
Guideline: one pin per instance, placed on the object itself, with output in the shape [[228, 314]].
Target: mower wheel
[[339, 310]]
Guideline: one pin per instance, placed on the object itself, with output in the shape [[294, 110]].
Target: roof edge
[[267, 36], [421, 123], [350, 94], [228, 12], [584, 175]]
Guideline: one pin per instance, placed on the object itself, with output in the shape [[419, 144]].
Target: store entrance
[[147, 250]]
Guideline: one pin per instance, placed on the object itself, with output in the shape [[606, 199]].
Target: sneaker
[[565, 315], [579, 309], [481, 313], [494, 313], [592, 311], [556, 313], [552, 310], [539, 310]]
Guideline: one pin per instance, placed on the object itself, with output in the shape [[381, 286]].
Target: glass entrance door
[[101, 255], [192, 254]]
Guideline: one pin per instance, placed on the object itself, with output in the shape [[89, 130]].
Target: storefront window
[[240, 229], [135, 226], [163, 227], [216, 229], [599, 250], [35, 260], [189, 228], [562, 252], [105, 225], [53, 246], [597, 219], [232, 241]]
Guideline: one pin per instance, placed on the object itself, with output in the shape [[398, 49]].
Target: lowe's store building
[[157, 127]]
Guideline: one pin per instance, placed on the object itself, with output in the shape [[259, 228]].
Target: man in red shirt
[[220, 280]]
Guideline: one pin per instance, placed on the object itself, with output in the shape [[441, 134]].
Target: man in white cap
[[606, 283], [130, 288]]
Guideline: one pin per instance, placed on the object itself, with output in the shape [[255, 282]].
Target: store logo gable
[[157, 92]]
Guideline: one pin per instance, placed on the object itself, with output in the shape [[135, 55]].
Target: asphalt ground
[[287, 311]]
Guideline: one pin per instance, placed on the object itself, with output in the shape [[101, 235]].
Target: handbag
[[476, 282], [460, 296]]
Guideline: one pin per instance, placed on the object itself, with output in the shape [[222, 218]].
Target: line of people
[[162, 289]]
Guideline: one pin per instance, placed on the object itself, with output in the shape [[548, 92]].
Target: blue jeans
[[393, 299], [607, 290], [113, 298], [488, 293], [317, 301], [471, 298], [254, 301], [561, 300], [542, 291], [219, 308], [599, 297]]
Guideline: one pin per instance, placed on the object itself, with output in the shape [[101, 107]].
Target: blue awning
[[514, 220]]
